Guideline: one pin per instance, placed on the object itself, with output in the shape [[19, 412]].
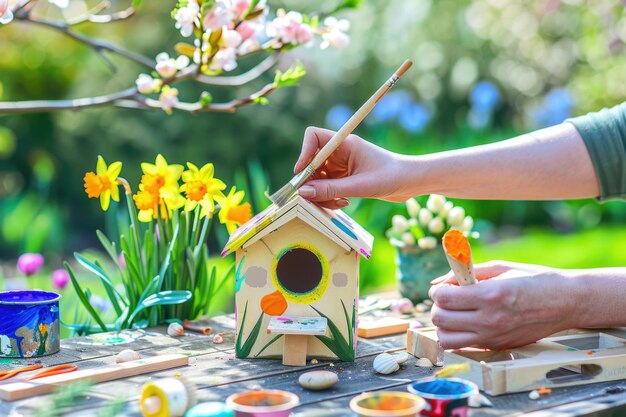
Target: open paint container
[[444, 396], [387, 404], [263, 403], [30, 323]]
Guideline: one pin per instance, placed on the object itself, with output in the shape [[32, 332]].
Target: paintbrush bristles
[[286, 192]]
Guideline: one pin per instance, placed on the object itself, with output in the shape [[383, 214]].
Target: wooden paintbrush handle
[[357, 117]]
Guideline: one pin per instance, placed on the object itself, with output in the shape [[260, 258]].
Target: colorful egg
[[175, 330], [385, 364], [318, 380]]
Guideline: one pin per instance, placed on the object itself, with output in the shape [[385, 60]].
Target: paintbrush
[[283, 195], [459, 255]]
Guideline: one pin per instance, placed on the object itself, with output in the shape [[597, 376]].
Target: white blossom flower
[[166, 66], [435, 202], [60, 3], [412, 207], [6, 15], [335, 35], [467, 224], [399, 224], [239, 7], [168, 99], [408, 238], [147, 85], [289, 29], [436, 225], [225, 59], [425, 216], [182, 62], [186, 17], [456, 216], [427, 242], [219, 16], [445, 209], [231, 38], [249, 45]]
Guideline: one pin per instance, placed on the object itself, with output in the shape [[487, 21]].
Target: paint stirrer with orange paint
[[459, 255]]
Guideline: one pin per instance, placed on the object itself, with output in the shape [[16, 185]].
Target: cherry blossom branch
[[94, 15], [240, 79]]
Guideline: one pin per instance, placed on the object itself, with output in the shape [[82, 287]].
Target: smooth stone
[[210, 409], [424, 363], [318, 380]]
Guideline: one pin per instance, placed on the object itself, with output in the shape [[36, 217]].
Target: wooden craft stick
[[459, 255], [382, 327], [26, 389]]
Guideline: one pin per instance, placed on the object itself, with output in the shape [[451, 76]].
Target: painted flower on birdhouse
[[274, 304]]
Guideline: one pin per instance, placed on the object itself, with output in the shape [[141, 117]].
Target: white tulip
[[456, 216], [408, 238], [467, 224], [412, 207], [436, 225], [427, 242], [445, 209], [425, 216], [399, 224], [435, 202]]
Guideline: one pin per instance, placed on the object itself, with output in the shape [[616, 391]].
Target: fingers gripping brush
[[283, 195]]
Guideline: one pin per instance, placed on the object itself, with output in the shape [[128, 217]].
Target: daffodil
[[103, 183], [232, 213], [158, 191], [201, 188]]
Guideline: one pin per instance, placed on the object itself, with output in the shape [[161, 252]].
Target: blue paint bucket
[[29, 323], [445, 397]]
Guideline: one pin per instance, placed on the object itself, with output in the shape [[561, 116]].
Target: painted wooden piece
[[581, 357], [382, 327], [316, 326], [26, 389], [298, 261]]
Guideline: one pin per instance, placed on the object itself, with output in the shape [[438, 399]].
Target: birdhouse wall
[[281, 270]]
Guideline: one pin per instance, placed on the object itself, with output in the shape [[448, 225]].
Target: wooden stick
[[26, 389]]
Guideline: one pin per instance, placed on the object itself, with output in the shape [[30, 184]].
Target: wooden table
[[217, 373]]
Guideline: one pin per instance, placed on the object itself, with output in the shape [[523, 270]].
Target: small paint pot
[[30, 324], [263, 403], [210, 409], [387, 404], [444, 396]]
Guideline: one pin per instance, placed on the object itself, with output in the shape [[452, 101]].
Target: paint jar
[[416, 267], [263, 403], [387, 404], [30, 323], [444, 396]]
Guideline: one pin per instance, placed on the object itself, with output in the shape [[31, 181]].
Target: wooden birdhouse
[[297, 283]]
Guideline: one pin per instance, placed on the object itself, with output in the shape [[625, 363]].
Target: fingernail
[[436, 281], [307, 191], [343, 202]]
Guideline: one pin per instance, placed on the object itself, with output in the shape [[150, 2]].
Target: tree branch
[[241, 79], [93, 15]]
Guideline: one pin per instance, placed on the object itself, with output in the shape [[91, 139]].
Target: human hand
[[357, 168], [511, 305]]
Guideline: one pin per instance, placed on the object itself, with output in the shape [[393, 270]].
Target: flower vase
[[416, 267]]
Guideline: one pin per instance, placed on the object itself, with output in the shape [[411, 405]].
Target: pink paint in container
[[444, 396], [387, 404], [263, 403]]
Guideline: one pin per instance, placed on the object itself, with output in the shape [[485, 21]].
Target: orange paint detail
[[544, 391], [274, 304], [456, 245], [590, 352]]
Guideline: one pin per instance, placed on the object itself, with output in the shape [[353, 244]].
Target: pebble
[[534, 395], [314, 361], [127, 355], [428, 302], [401, 357], [175, 330], [479, 400], [421, 308], [424, 363], [218, 338], [385, 364], [318, 380]]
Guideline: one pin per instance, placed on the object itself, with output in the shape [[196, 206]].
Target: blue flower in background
[[390, 106], [478, 119], [414, 117], [100, 303], [485, 96], [337, 116], [556, 107]]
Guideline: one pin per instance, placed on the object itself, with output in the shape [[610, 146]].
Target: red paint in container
[[263, 403]]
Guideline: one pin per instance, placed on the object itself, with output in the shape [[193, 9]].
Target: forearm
[[600, 297], [548, 164]]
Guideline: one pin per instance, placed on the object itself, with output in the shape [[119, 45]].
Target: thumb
[[327, 189]]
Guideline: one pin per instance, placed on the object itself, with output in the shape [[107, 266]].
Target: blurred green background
[[484, 70]]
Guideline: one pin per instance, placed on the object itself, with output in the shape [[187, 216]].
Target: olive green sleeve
[[604, 134]]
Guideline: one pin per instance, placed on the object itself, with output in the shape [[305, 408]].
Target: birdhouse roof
[[334, 224]]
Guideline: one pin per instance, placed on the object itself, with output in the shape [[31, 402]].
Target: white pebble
[[479, 400], [534, 395], [318, 380]]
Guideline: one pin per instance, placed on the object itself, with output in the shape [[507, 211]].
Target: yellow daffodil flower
[[158, 191], [202, 188], [232, 213], [103, 182]]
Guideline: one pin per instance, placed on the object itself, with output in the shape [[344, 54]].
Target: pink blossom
[[166, 66], [168, 99], [335, 35], [147, 85], [246, 30], [186, 17], [239, 7], [60, 278], [289, 29], [6, 15], [29, 263], [225, 59], [218, 17], [231, 38]]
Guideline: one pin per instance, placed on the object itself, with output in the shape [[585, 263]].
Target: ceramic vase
[[416, 267]]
